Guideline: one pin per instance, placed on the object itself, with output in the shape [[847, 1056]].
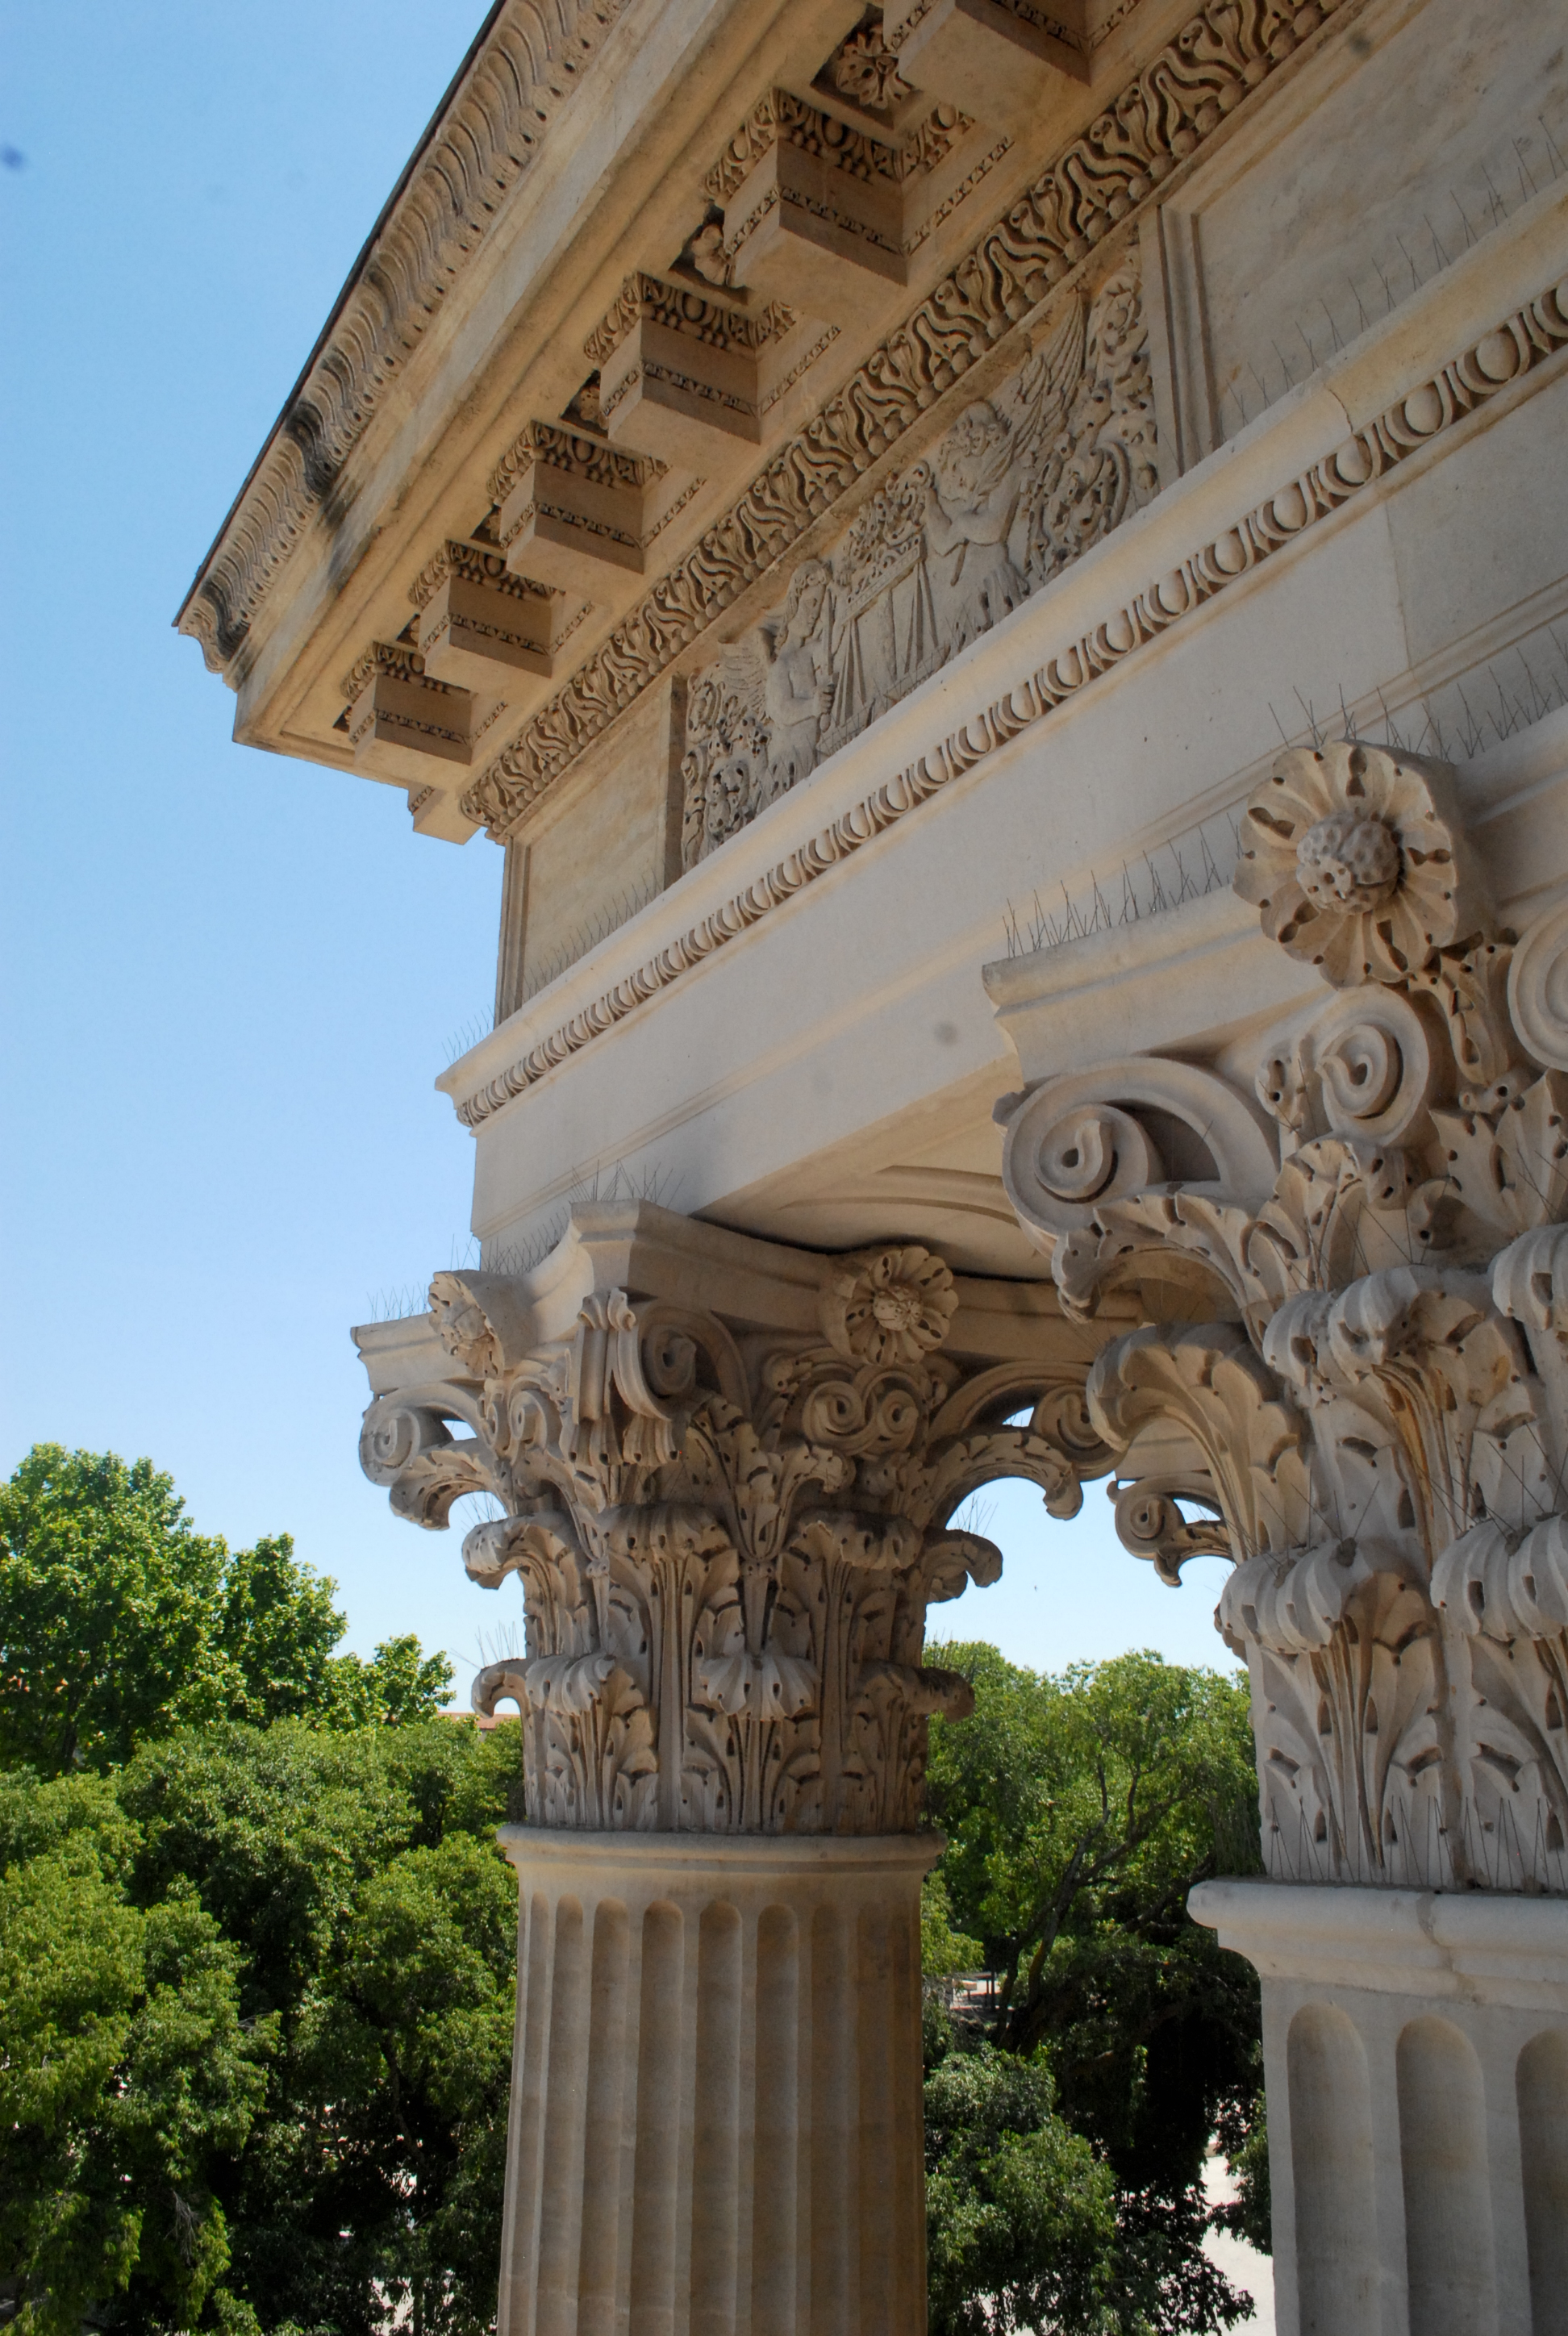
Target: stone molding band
[[1515, 346], [691, 1860]]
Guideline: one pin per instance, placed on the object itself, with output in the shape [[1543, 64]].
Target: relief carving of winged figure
[[977, 499], [798, 691], [1021, 484]]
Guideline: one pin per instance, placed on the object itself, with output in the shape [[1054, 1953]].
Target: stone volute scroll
[[729, 1525], [1350, 1375]]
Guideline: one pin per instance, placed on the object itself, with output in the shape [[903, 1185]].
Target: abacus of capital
[[868, 506]]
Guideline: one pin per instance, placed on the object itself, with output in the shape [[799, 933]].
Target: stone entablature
[[1158, 123], [728, 1472], [1354, 1360], [1208, 536], [1000, 292]]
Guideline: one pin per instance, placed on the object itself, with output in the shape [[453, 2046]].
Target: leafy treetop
[[120, 1622]]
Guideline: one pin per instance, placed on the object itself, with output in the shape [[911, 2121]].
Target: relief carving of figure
[[798, 691], [1021, 483], [971, 503]]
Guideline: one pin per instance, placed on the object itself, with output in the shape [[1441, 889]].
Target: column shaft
[[715, 2126], [1415, 2048]]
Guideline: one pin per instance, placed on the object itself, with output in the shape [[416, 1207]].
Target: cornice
[[527, 61], [1492, 362], [568, 449], [1162, 120], [477, 564]]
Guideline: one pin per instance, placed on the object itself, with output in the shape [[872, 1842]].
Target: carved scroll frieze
[[728, 1539], [1021, 485], [1379, 1419]]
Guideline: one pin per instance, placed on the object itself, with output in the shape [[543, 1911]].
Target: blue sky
[[230, 979]]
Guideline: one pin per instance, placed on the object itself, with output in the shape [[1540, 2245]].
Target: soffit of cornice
[[425, 257], [425, 456], [519, 71]]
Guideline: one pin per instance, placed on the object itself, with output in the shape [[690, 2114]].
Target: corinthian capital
[[1352, 1373], [728, 1473]]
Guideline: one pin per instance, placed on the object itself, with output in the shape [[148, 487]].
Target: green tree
[[276, 1627], [119, 1622], [126, 2078], [943, 1949], [1080, 1812], [106, 1599], [360, 1869], [400, 1683], [427, 1987], [1021, 2215]]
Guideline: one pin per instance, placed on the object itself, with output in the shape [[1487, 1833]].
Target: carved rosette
[[1353, 857], [728, 1540], [1373, 1423]]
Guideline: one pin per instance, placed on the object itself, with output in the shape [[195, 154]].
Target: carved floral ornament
[[728, 1539], [1353, 1378]]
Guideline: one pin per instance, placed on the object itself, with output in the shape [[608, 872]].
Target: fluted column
[[729, 1471], [715, 2119], [1416, 2046]]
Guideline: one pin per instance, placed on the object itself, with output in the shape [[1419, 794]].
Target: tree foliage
[[256, 2010], [127, 2079], [120, 1622], [1021, 2213], [1079, 1811], [257, 1940]]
